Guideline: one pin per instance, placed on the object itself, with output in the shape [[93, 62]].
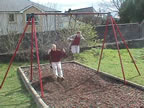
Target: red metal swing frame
[[113, 23], [34, 37]]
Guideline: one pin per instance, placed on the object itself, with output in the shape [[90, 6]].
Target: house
[[89, 18], [81, 10], [14, 16], [87, 9]]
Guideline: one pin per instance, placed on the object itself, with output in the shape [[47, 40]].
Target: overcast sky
[[64, 5]]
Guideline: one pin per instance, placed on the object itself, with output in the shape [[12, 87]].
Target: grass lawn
[[13, 93], [110, 62]]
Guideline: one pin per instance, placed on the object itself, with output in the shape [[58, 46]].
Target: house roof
[[87, 9], [20, 5]]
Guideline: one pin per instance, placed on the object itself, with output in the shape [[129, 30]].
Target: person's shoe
[[62, 78], [50, 66], [58, 79]]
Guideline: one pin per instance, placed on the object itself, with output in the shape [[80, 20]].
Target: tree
[[113, 6], [117, 4], [132, 11]]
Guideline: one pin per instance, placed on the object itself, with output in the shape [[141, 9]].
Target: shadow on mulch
[[45, 80]]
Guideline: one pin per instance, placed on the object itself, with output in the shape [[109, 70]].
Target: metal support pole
[[38, 61], [70, 13], [115, 35], [12, 58], [126, 47], [32, 31], [105, 34]]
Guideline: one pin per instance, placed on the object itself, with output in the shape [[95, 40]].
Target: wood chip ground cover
[[84, 88]]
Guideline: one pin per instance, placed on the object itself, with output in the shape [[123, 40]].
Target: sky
[[64, 5]]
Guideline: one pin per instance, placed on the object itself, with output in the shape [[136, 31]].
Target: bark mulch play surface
[[84, 88]]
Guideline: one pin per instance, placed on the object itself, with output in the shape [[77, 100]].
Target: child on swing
[[55, 56]]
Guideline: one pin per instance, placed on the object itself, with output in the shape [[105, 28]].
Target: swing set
[[34, 37]]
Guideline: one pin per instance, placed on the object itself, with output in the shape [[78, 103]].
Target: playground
[[82, 86], [90, 57]]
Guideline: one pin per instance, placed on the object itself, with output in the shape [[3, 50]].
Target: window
[[11, 17], [29, 16]]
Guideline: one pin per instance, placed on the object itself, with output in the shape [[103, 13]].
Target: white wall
[[18, 26], [48, 23], [10, 27], [52, 22], [3, 23]]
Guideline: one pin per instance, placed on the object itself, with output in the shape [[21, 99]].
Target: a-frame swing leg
[[115, 35], [37, 54], [105, 34], [12, 58], [31, 69], [126, 46]]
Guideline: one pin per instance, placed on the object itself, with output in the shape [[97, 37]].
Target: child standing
[[75, 44]]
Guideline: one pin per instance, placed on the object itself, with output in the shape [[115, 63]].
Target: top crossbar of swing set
[[70, 13]]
